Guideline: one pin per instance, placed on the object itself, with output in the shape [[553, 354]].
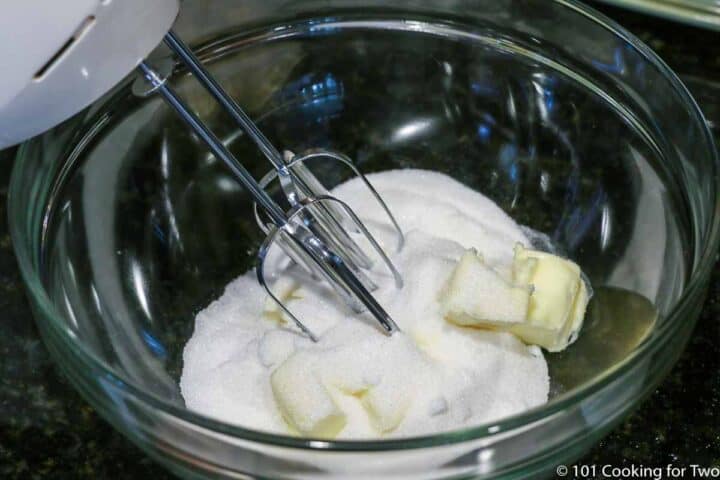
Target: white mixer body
[[57, 57]]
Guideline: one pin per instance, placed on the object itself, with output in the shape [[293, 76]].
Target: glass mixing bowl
[[125, 227]]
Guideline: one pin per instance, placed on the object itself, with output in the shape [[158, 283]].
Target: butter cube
[[386, 407], [558, 302], [477, 295], [305, 403], [543, 302]]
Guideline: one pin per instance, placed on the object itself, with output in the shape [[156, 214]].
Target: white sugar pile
[[432, 377]]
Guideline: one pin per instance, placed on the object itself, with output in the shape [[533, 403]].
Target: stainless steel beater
[[318, 229]]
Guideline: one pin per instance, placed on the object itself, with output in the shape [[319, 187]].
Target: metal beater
[[317, 231]]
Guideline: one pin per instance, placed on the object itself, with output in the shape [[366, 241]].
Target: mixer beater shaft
[[313, 232]]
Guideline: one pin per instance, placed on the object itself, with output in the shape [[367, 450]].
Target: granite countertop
[[48, 431]]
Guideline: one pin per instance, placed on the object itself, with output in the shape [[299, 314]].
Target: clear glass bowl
[[125, 226]]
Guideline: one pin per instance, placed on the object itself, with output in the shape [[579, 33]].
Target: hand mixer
[[318, 232]]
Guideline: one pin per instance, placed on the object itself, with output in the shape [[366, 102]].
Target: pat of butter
[[477, 295], [386, 409], [543, 303], [558, 302], [305, 403]]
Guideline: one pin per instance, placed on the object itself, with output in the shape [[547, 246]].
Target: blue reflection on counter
[[618, 64], [549, 98], [317, 97], [508, 162], [484, 131], [313, 99], [158, 232], [154, 344], [484, 89]]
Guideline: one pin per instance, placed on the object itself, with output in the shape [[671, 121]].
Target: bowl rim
[[702, 267]]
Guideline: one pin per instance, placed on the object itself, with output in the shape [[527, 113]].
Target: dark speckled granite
[[48, 431]]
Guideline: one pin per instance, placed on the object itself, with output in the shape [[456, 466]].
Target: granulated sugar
[[431, 377]]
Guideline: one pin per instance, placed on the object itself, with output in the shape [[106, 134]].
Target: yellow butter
[[476, 295], [558, 302], [384, 407], [542, 302], [304, 402]]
